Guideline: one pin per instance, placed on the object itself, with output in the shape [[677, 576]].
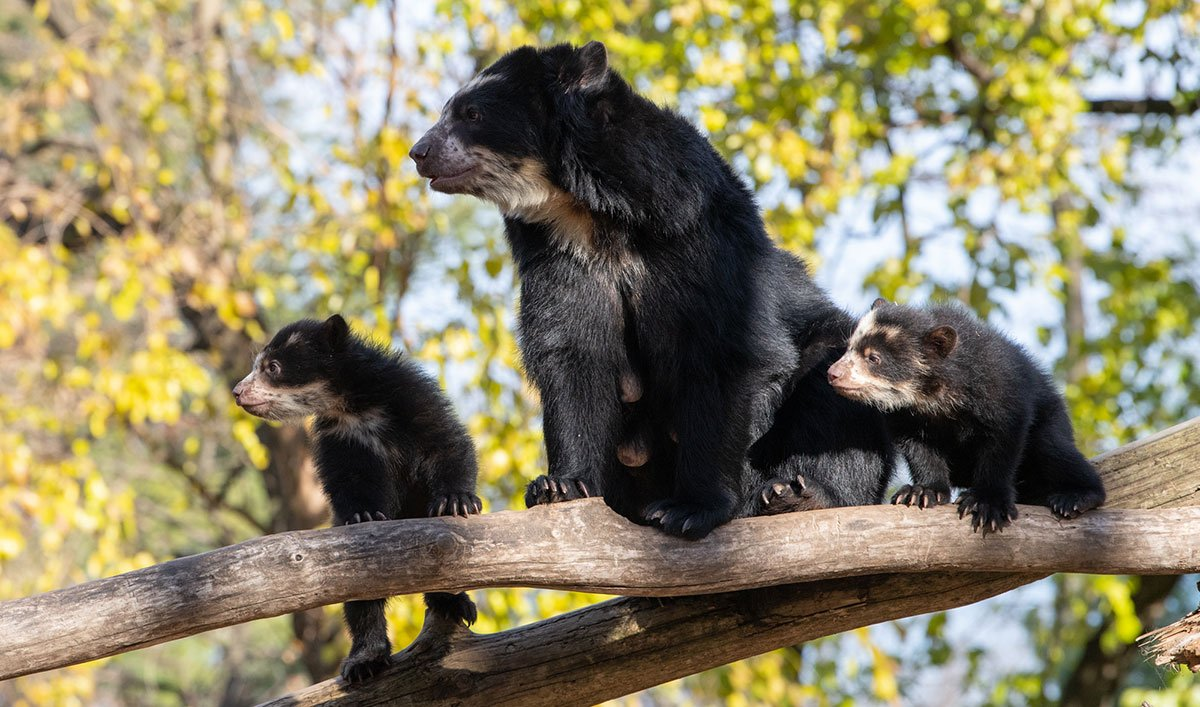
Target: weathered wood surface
[[577, 546], [625, 645], [1175, 644], [560, 546]]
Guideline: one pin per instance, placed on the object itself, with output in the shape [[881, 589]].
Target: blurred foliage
[[179, 179]]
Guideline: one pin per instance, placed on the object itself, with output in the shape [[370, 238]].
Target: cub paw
[[365, 517], [783, 495], [921, 496], [457, 608], [363, 665], [455, 504], [550, 489], [686, 520], [1073, 504], [988, 513]]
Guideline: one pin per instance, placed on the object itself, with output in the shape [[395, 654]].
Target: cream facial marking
[[851, 376], [865, 325], [528, 194], [302, 401], [259, 397]]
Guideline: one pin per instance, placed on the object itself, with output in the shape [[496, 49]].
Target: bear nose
[[835, 372], [419, 151], [237, 391]]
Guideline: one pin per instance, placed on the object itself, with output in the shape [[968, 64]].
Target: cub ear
[[942, 340], [336, 331], [587, 70], [879, 302]]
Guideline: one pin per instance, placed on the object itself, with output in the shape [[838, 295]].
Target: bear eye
[[274, 368], [874, 357], [472, 114]]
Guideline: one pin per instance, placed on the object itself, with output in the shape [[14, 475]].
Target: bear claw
[[549, 489], [987, 514], [365, 517], [921, 496]]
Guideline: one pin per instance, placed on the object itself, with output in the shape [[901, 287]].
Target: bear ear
[[336, 331], [941, 340], [587, 69], [879, 302]]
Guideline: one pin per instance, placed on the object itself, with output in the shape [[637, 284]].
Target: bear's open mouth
[[446, 182]]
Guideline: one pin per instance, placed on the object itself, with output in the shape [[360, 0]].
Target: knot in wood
[[445, 544]]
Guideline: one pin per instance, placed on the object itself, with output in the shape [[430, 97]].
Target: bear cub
[[969, 408], [386, 444]]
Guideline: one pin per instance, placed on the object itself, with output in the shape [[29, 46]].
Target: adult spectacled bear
[[651, 292]]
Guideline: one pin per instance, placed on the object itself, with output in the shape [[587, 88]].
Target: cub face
[[498, 136], [890, 357], [290, 378]]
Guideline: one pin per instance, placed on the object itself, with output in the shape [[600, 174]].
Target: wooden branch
[[976, 67], [626, 645], [1174, 644], [1144, 106], [557, 547]]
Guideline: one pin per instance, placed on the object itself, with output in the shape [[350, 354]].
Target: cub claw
[[683, 519], [921, 496], [785, 496], [987, 514], [1068, 506], [455, 504]]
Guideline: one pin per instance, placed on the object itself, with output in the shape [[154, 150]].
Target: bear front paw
[[686, 519], [921, 496], [455, 504], [988, 513], [550, 489], [1073, 504]]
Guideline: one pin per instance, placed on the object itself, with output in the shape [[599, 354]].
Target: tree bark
[[579, 546], [625, 645], [583, 546]]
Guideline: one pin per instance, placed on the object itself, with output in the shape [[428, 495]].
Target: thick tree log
[[625, 645], [558, 547], [580, 546]]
